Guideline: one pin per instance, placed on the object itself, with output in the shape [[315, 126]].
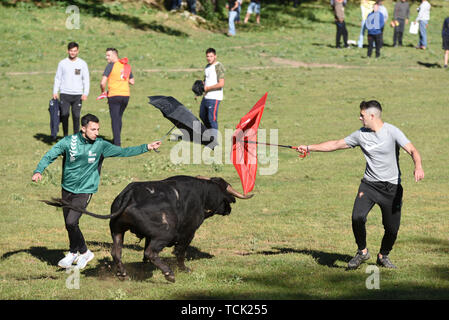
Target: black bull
[[166, 213]]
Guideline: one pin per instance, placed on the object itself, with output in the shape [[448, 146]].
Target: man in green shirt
[[83, 155]]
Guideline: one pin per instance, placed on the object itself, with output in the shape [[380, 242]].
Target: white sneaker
[[84, 258], [67, 261]]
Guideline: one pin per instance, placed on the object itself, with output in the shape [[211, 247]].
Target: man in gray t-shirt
[[381, 183]]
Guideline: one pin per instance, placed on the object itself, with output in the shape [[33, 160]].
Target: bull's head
[[219, 199]]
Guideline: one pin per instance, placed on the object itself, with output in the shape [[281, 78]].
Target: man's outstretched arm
[[327, 146]]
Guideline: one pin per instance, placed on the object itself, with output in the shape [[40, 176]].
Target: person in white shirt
[[213, 88], [423, 19], [73, 84]]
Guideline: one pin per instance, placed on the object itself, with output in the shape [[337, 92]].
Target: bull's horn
[[237, 194], [202, 177]]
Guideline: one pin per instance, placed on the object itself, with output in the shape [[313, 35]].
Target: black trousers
[[377, 39], [117, 106], [72, 217], [67, 101], [341, 31], [398, 32], [389, 197]]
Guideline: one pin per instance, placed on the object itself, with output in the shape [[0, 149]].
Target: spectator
[[232, 6], [339, 12], [73, 83], [423, 19], [213, 88], [239, 10], [445, 34], [374, 24], [384, 12], [118, 76], [176, 5], [366, 6], [401, 15], [254, 7], [192, 6]]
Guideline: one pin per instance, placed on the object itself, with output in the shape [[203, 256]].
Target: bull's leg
[[180, 253], [152, 253], [116, 252], [147, 243]]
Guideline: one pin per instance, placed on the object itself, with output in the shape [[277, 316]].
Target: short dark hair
[[370, 104], [211, 50], [112, 49], [89, 118], [72, 45]]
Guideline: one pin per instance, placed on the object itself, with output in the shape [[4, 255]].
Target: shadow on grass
[[49, 256], [48, 139], [429, 65], [327, 259], [97, 8], [103, 268], [136, 271]]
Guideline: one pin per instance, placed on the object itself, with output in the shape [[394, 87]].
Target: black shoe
[[385, 262], [358, 259]]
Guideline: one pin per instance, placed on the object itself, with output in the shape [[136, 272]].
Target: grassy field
[[294, 238]]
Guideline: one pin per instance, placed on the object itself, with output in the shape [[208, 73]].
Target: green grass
[[294, 238]]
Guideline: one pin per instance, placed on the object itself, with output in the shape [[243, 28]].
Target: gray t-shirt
[[381, 150]]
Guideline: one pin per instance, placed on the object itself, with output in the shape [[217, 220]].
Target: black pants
[[377, 39], [389, 197], [72, 217], [398, 32], [341, 31], [117, 106], [67, 101]]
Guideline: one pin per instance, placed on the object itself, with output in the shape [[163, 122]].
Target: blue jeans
[[232, 15], [423, 33], [176, 4], [362, 33], [208, 114]]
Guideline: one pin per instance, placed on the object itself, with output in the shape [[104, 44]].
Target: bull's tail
[[61, 203]]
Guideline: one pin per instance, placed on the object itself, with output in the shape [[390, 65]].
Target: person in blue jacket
[[374, 24]]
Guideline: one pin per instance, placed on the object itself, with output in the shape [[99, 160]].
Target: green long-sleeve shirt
[[83, 159]]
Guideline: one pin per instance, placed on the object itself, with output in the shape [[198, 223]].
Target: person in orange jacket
[[117, 76]]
